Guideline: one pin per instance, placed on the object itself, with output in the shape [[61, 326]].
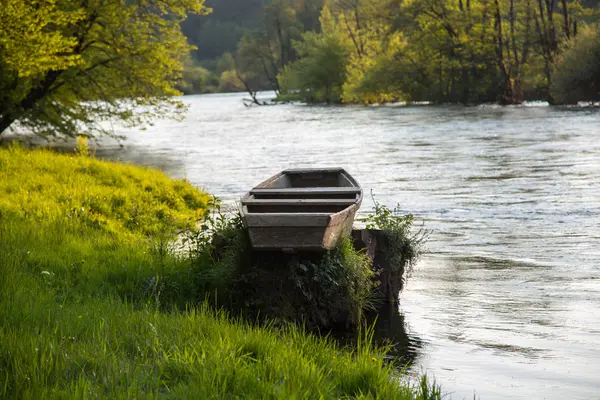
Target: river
[[505, 302]]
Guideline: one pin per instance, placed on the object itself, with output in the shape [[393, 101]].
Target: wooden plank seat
[[287, 205], [307, 191], [287, 202], [313, 193]]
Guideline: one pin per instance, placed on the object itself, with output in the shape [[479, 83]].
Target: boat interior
[[303, 191], [308, 179]]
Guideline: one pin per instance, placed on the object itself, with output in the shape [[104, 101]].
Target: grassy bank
[[93, 305]]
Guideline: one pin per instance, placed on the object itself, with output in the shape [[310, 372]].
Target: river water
[[505, 302]]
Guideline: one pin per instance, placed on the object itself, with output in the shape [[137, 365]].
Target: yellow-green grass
[[100, 310], [116, 198]]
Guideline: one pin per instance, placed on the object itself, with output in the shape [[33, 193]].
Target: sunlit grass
[[99, 310], [117, 198]]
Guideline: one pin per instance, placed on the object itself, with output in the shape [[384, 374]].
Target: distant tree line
[[243, 44], [459, 51], [71, 67]]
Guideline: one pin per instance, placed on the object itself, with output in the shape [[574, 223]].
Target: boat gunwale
[[332, 216]]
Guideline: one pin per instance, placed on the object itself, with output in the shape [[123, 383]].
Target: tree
[[320, 72], [67, 65], [551, 33], [450, 51], [262, 53], [458, 51], [196, 79], [576, 75]]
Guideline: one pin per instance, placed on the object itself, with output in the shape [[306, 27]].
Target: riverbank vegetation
[[95, 303], [577, 69], [457, 51], [79, 66], [322, 292]]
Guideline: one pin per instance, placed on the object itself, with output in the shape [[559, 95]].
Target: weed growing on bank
[[398, 247], [403, 246]]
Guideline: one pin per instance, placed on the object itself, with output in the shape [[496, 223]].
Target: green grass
[[116, 198], [93, 309]]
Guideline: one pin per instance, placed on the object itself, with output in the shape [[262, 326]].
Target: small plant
[[216, 250], [83, 147], [217, 228], [398, 246], [404, 247], [334, 289]]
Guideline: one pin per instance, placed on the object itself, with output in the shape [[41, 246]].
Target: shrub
[[398, 247], [576, 74]]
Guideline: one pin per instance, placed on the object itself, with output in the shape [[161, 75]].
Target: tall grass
[[103, 311]]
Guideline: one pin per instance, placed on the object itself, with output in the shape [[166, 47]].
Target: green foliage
[[403, 247], [321, 290], [248, 43], [439, 51], [225, 63], [90, 313], [32, 42], [257, 61], [265, 51], [320, 72], [216, 250], [229, 81], [319, 75], [67, 66], [221, 30], [196, 79], [333, 291], [577, 71]]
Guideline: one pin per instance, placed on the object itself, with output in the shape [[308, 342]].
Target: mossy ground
[[94, 305]]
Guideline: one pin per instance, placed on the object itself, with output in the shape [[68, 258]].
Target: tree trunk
[[565, 12], [506, 95]]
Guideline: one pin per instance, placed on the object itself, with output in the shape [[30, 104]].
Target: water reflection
[[390, 329]]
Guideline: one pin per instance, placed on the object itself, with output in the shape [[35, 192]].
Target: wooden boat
[[301, 209]]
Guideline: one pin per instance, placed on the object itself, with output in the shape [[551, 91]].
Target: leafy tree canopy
[[67, 66], [463, 51]]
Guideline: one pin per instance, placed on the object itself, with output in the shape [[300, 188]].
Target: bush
[[403, 247], [397, 248], [196, 79], [322, 290], [576, 74], [229, 81]]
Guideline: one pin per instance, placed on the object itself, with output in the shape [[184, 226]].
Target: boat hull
[[271, 233]]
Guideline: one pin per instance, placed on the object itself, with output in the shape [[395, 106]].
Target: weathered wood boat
[[301, 209]]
